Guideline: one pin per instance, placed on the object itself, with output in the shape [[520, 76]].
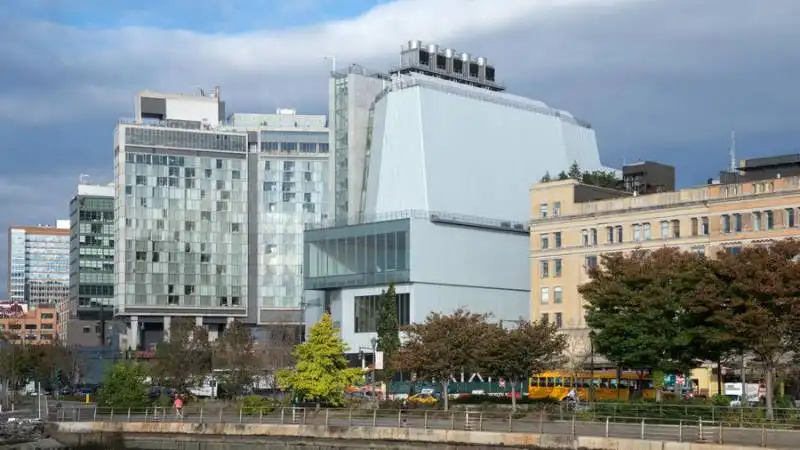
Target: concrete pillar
[[198, 321], [167, 327], [133, 333]]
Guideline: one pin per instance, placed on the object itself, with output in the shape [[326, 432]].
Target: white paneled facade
[[440, 146]]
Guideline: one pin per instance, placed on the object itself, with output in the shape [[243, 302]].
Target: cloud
[[664, 80]]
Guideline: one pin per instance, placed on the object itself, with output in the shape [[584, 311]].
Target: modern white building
[[443, 209], [210, 214]]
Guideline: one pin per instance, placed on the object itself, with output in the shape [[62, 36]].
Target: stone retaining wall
[[83, 432]]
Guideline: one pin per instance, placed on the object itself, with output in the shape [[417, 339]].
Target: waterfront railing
[[580, 421]]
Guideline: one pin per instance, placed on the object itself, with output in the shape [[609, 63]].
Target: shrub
[[256, 404]]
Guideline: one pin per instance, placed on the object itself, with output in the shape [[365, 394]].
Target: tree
[[321, 373], [563, 176], [546, 178], [575, 172], [278, 345], [601, 178], [124, 386], [16, 365], [515, 354], [50, 364], [388, 331], [635, 304], [442, 346], [234, 354], [184, 359], [758, 303], [577, 353]]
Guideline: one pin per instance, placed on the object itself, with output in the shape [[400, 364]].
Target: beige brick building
[[573, 224]]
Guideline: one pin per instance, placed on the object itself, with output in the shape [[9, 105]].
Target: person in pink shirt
[[178, 407]]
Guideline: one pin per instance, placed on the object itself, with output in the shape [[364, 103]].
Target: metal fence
[[556, 421]]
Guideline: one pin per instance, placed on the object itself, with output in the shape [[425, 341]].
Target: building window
[[646, 231], [543, 210], [676, 228], [559, 320], [544, 269], [699, 250], [544, 295], [610, 235], [558, 295], [544, 241], [664, 229], [585, 237], [695, 224], [637, 232], [725, 223], [756, 221], [704, 229], [557, 239], [367, 308], [46, 316], [556, 209], [590, 262], [593, 236], [789, 221], [545, 317], [557, 268], [619, 234], [770, 220], [737, 223]]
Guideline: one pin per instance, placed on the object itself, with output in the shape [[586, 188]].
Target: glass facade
[[182, 224], [292, 194], [304, 142], [357, 255], [91, 252], [367, 310], [172, 138], [39, 266]]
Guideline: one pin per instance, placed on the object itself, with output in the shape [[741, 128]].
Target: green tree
[[602, 178], [321, 373], [515, 354], [443, 346], [575, 172], [758, 303], [388, 331], [563, 176], [546, 178], [15, 365], [124, 386], [234, 354], [184, 358], [636, 306]]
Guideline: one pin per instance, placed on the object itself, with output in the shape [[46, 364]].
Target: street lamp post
[[374, 342], [591, 363]]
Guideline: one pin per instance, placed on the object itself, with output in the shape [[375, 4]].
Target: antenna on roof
[[733, 151]]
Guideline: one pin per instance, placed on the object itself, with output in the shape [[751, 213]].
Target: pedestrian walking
[[178, 407]]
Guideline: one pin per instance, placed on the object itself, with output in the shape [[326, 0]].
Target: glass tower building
[[210, 215], [91, 275], [38, 269]]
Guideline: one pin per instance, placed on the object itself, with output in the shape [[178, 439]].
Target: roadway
[[755, 437]]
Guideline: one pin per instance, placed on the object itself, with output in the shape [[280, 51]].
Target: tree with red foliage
[[515, 354], [442, 346], [755, 295]]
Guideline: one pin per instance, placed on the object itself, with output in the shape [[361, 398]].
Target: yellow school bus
[[556, 384]]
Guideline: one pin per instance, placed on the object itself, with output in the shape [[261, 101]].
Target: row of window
[[303, 147], [544, 210], [671, 229], [546, 267], [558, 295], [28, 326], [558, 319]]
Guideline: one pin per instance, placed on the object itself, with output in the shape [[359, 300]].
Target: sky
[[663, 80]]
